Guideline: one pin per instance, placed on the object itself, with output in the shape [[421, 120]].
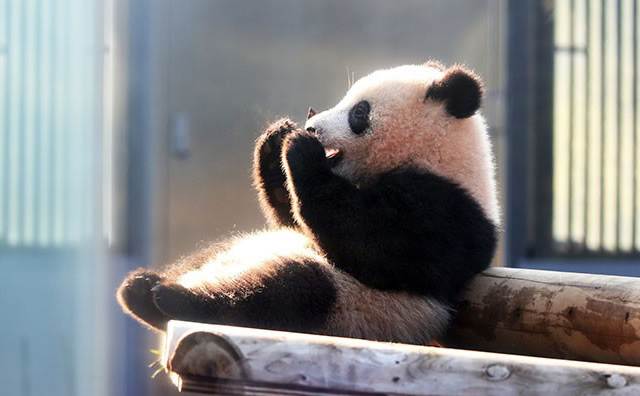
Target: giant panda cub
[[381, 210]]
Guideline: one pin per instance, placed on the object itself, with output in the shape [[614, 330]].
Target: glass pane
[[51, 56]]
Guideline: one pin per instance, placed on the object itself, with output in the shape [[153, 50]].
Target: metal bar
[[65, 143], [634, 154], [44, 134], [4, 145], [53, 107], [73, 124], [618, 119], [3, 100], [20, 205], [541, 137], [586, 125], [61, 114], [570, 214], [603, 87], [36, 122], [28, 118], [63, 135], [518, 124]]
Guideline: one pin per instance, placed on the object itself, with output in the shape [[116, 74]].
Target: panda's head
[[422, 116]]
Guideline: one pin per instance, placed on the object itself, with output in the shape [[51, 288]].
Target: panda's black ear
[[460, 89]]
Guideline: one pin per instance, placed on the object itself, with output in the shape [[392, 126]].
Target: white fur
[[406, 130]]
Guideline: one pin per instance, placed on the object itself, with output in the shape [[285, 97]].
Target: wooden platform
[[587, 317], [237, 361]]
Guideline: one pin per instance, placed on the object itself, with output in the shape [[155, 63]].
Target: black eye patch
[[359, 117]]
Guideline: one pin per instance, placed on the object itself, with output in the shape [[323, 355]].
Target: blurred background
[[126, 131]]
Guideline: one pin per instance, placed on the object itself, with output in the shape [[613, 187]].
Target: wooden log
[[554, 314], [234, 361]]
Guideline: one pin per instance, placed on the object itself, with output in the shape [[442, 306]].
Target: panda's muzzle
[[333, 155]]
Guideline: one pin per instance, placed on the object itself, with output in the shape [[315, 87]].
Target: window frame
[[528, 160]]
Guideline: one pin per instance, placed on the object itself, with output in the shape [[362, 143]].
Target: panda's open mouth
[[333, 156]]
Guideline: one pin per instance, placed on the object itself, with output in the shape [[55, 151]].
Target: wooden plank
[[554, 314], [233, 360]]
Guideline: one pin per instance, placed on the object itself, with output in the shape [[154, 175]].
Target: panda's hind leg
[[290, 294], [177, 302]]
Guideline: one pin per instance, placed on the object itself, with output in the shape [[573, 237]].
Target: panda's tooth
[[331, 152]]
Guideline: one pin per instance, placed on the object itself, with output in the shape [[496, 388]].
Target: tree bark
[[553, 314], [237, 361]]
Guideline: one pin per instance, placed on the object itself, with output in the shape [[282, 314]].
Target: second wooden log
[[553, 314]]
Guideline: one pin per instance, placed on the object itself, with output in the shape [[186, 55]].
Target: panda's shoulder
[[419, 180], [415, 186]]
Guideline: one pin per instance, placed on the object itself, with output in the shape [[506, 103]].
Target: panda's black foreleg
[[330, 210], [407, 231], [269, 178]]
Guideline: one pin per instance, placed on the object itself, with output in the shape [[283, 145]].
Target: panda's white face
[[415, 115]]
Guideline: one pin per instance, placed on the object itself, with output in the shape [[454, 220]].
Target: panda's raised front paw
[[303, 153], [268, 150], [268, 175]]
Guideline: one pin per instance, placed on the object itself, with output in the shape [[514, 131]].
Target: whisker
[[348, 78]]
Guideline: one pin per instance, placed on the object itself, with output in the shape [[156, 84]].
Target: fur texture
[[373, 242], [407, 130]]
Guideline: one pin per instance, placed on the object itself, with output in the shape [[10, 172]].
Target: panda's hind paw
[[135, 297]]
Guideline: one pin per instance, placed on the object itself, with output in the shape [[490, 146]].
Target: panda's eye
[[359, 117]]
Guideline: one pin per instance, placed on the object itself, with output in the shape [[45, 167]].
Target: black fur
[[298, 298], [410, 230], [461, 91]]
